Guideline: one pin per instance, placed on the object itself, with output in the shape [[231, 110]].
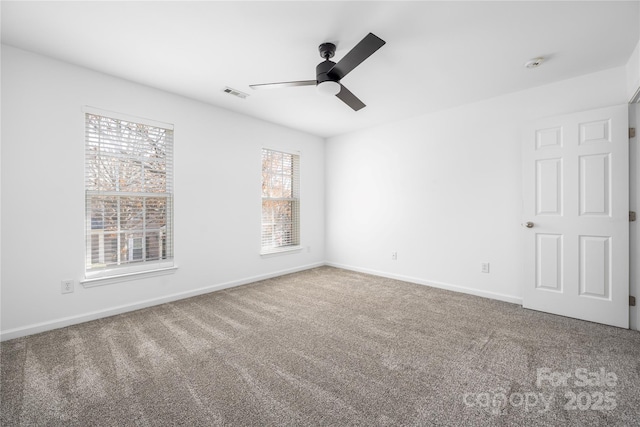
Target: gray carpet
[[325, 347]]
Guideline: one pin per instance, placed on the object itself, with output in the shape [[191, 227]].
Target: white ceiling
[[438, 54]]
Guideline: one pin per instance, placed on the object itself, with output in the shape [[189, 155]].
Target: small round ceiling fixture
[[534, 63]]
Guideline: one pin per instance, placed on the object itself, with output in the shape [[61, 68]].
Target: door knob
[[528, 224]]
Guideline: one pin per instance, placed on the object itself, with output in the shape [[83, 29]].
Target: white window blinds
[[129, 195], [280, 201]]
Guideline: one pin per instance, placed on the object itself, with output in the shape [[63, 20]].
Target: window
[[128, 193], [280, 201]]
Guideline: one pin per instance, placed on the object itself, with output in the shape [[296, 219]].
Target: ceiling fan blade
[[283, 84], [357, 55], [350, 99]]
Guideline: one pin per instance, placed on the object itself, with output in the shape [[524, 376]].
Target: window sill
[[281, 251], [108, 280]]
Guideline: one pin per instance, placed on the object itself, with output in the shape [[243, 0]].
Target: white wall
[[451, 178], [444, 189], [633, 72], [217, 194]]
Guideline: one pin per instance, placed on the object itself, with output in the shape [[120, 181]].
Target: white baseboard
[[433, 284], [94, 315]]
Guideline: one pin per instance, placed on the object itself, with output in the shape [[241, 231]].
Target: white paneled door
[[576, 215]]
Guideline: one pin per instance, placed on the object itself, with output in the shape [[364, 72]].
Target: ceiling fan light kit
[[328, 87], [329, 73]]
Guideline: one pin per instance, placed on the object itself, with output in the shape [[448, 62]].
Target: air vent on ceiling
[[235, 92]]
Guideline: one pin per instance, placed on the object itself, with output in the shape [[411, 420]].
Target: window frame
[[130, 270], [266, 251]]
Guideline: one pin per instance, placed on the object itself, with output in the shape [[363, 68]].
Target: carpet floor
[[325, 347]]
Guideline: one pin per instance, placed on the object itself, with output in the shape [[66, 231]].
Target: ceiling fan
[[329, 74]]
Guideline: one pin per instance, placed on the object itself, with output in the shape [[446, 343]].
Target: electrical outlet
[[484, 267], [394, 256], [66, 286]]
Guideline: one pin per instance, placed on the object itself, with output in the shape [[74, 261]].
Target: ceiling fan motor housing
[[327, 50], [322, 70]]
